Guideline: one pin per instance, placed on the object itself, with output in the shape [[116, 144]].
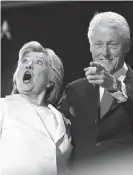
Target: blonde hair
[[55, 65], [112, 18]]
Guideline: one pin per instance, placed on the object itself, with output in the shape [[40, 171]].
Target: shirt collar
[[121, 71]]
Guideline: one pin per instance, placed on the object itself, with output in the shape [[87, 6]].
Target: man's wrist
[[116, 85]]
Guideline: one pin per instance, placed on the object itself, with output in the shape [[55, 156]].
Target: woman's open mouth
[[27, 77]]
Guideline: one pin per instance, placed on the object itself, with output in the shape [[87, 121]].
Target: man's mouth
[[27, 77], [104, 59]]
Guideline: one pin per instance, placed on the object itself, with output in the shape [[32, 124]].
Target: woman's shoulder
[[9, 100], [10, 97], [2, 101]]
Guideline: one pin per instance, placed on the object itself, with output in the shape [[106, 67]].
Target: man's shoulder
[[129, 72], [80, 86], [79, 82]]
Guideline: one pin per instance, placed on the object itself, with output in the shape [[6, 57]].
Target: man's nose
[[105, 51], [30, 65]]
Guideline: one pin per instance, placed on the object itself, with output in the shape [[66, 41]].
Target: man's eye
[[39, 62], [113, 45], [24, 61], [97, 45]]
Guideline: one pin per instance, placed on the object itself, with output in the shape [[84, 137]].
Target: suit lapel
[[61, 130], [112, 103], [107, 103]]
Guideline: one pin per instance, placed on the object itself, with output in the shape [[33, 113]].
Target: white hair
[[114, 20]]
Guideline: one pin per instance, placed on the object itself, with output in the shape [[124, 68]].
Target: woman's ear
[[51, 84]]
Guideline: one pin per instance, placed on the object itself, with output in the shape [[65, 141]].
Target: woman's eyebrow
[[39, 57]]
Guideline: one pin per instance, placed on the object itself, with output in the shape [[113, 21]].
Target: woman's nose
[[29, 65]]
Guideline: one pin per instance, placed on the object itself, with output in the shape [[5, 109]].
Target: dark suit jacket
[[91, 135]]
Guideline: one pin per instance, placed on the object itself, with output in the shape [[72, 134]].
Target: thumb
[[100, 67]]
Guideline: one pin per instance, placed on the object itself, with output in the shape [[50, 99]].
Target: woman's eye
[[24, 61], [39, 62]]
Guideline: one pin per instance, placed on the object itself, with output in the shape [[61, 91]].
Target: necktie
[[105, 103]]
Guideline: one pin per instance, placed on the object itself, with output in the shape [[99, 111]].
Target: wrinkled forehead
[[106, 28], [107, 24], [34, 55]]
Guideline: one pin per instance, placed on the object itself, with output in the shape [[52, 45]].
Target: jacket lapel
[[28, 114], [114, 104], [61, 130], [107, 104]]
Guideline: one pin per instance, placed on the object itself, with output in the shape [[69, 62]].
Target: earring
[[50, 85]]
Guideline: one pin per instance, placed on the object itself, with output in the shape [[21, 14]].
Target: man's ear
[[127, 46]]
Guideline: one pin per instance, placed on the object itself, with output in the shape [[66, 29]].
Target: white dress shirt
[[121, 96]]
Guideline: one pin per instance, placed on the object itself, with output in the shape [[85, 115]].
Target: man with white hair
[[100, 105]]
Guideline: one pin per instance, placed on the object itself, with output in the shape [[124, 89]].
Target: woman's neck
[[34, 99]]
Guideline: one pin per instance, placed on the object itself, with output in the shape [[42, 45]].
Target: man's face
[[107, 47], [32, 74]]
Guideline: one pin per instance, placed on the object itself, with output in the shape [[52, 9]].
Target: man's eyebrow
[[112, 40]]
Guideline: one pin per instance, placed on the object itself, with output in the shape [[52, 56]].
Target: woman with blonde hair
[[35, 137]]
